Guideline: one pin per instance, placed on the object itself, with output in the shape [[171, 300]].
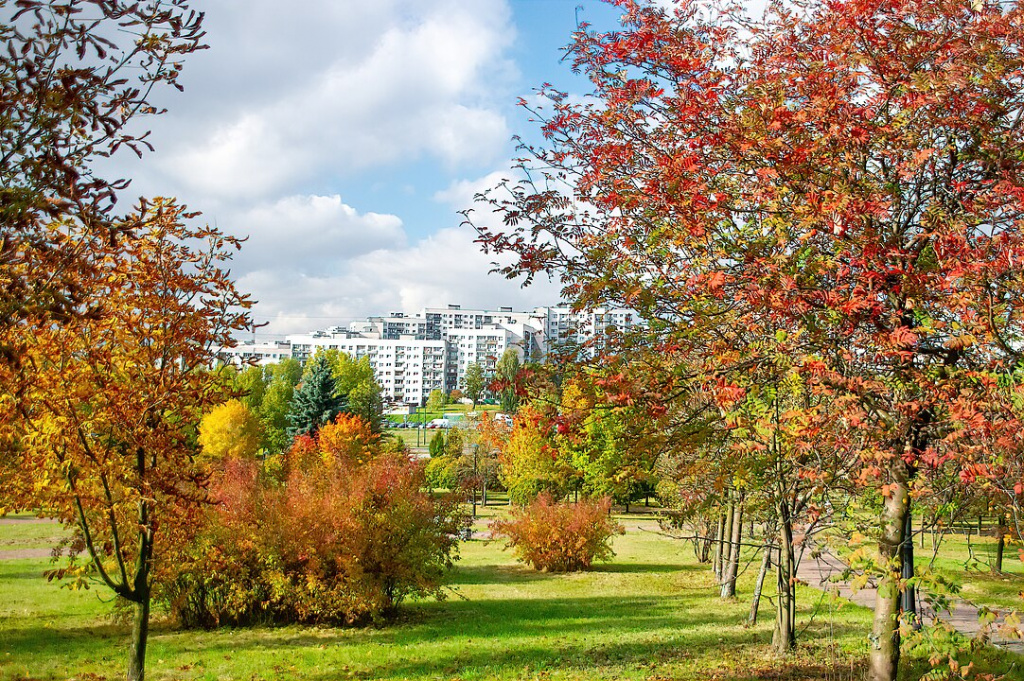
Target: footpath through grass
[[653, 613]]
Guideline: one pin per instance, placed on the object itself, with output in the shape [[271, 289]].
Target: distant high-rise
[[412, 355]]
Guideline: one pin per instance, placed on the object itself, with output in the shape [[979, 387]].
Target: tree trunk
[[140, 592], [140, 636], [732, 565], [908, 601], [704, 544], [997, 564], [785, 618], [483, 502], [884, 658], [755, 602], [719, 545]]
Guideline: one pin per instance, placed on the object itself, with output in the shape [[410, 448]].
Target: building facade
[[412, 355]]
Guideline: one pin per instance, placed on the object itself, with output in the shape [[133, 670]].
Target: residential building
[[412, 355]]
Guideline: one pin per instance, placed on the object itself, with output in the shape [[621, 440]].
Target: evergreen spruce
[[314, 403]]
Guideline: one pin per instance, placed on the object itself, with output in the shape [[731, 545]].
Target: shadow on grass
[[481, 638], [639, 568], [522, 574]]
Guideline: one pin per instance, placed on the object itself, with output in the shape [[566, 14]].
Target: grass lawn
[[22, 532], [971, 567], [652, 613]]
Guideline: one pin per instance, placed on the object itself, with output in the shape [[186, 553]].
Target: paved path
[[825, 571]]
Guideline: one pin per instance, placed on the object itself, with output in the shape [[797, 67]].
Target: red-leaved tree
[[842, 176]]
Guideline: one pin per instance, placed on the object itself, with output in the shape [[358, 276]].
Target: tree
[[453, 445], [475, 383], [436, 446], [530, 463], [348, 440], [315, 402], [106, 434], [251, 385], [286, 372], [349, 373], [842, 176], [364, 401], [436, 401], [487, 439], [506, 375], [77, 78], [229, 431]]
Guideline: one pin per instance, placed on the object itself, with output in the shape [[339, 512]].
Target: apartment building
[[250, 352], [412, 355], [407, 368]]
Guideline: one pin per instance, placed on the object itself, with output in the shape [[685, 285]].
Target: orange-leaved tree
[[76, 77], [348, 439], [843, 176], [105, 432]]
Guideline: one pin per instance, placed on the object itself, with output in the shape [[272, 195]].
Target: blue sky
[[342, 137]]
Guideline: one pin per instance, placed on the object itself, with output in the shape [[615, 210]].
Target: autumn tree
[[349, 373], [365, 400], [846, 171], [348, 439], [78, 78], [114, 394], [229, 431], [435, 401], [530, 461], [506, 375], [273, 410], [487, 439], [251, 385]]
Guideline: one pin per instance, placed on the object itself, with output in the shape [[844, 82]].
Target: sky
[[342, 137]]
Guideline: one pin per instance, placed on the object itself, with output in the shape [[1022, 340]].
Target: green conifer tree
[[314, 403]]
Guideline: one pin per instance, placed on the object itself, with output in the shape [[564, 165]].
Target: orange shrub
[[559, 537], [334, 543]]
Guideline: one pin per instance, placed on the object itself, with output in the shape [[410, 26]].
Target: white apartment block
[[412, 355], [563, 326], [407, 369], [476, 346], [255, 353]]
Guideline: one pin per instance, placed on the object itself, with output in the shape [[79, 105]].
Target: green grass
[[971, 568], [30, 535], [652, 613]]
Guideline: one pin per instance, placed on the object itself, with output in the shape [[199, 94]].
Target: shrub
[[334, 543], [559, 537], [436, 446]]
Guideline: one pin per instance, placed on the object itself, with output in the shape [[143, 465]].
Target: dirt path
[[825, 572], [25, 520], [17, 554]]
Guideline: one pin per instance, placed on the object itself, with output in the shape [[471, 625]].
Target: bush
[[559, 537], [335, 543]]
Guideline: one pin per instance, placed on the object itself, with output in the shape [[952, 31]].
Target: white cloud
[[347, 274], [428, 82], [291, 114], [311, 234]]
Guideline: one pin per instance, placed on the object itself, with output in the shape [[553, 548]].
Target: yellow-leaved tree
[[230, 431]]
